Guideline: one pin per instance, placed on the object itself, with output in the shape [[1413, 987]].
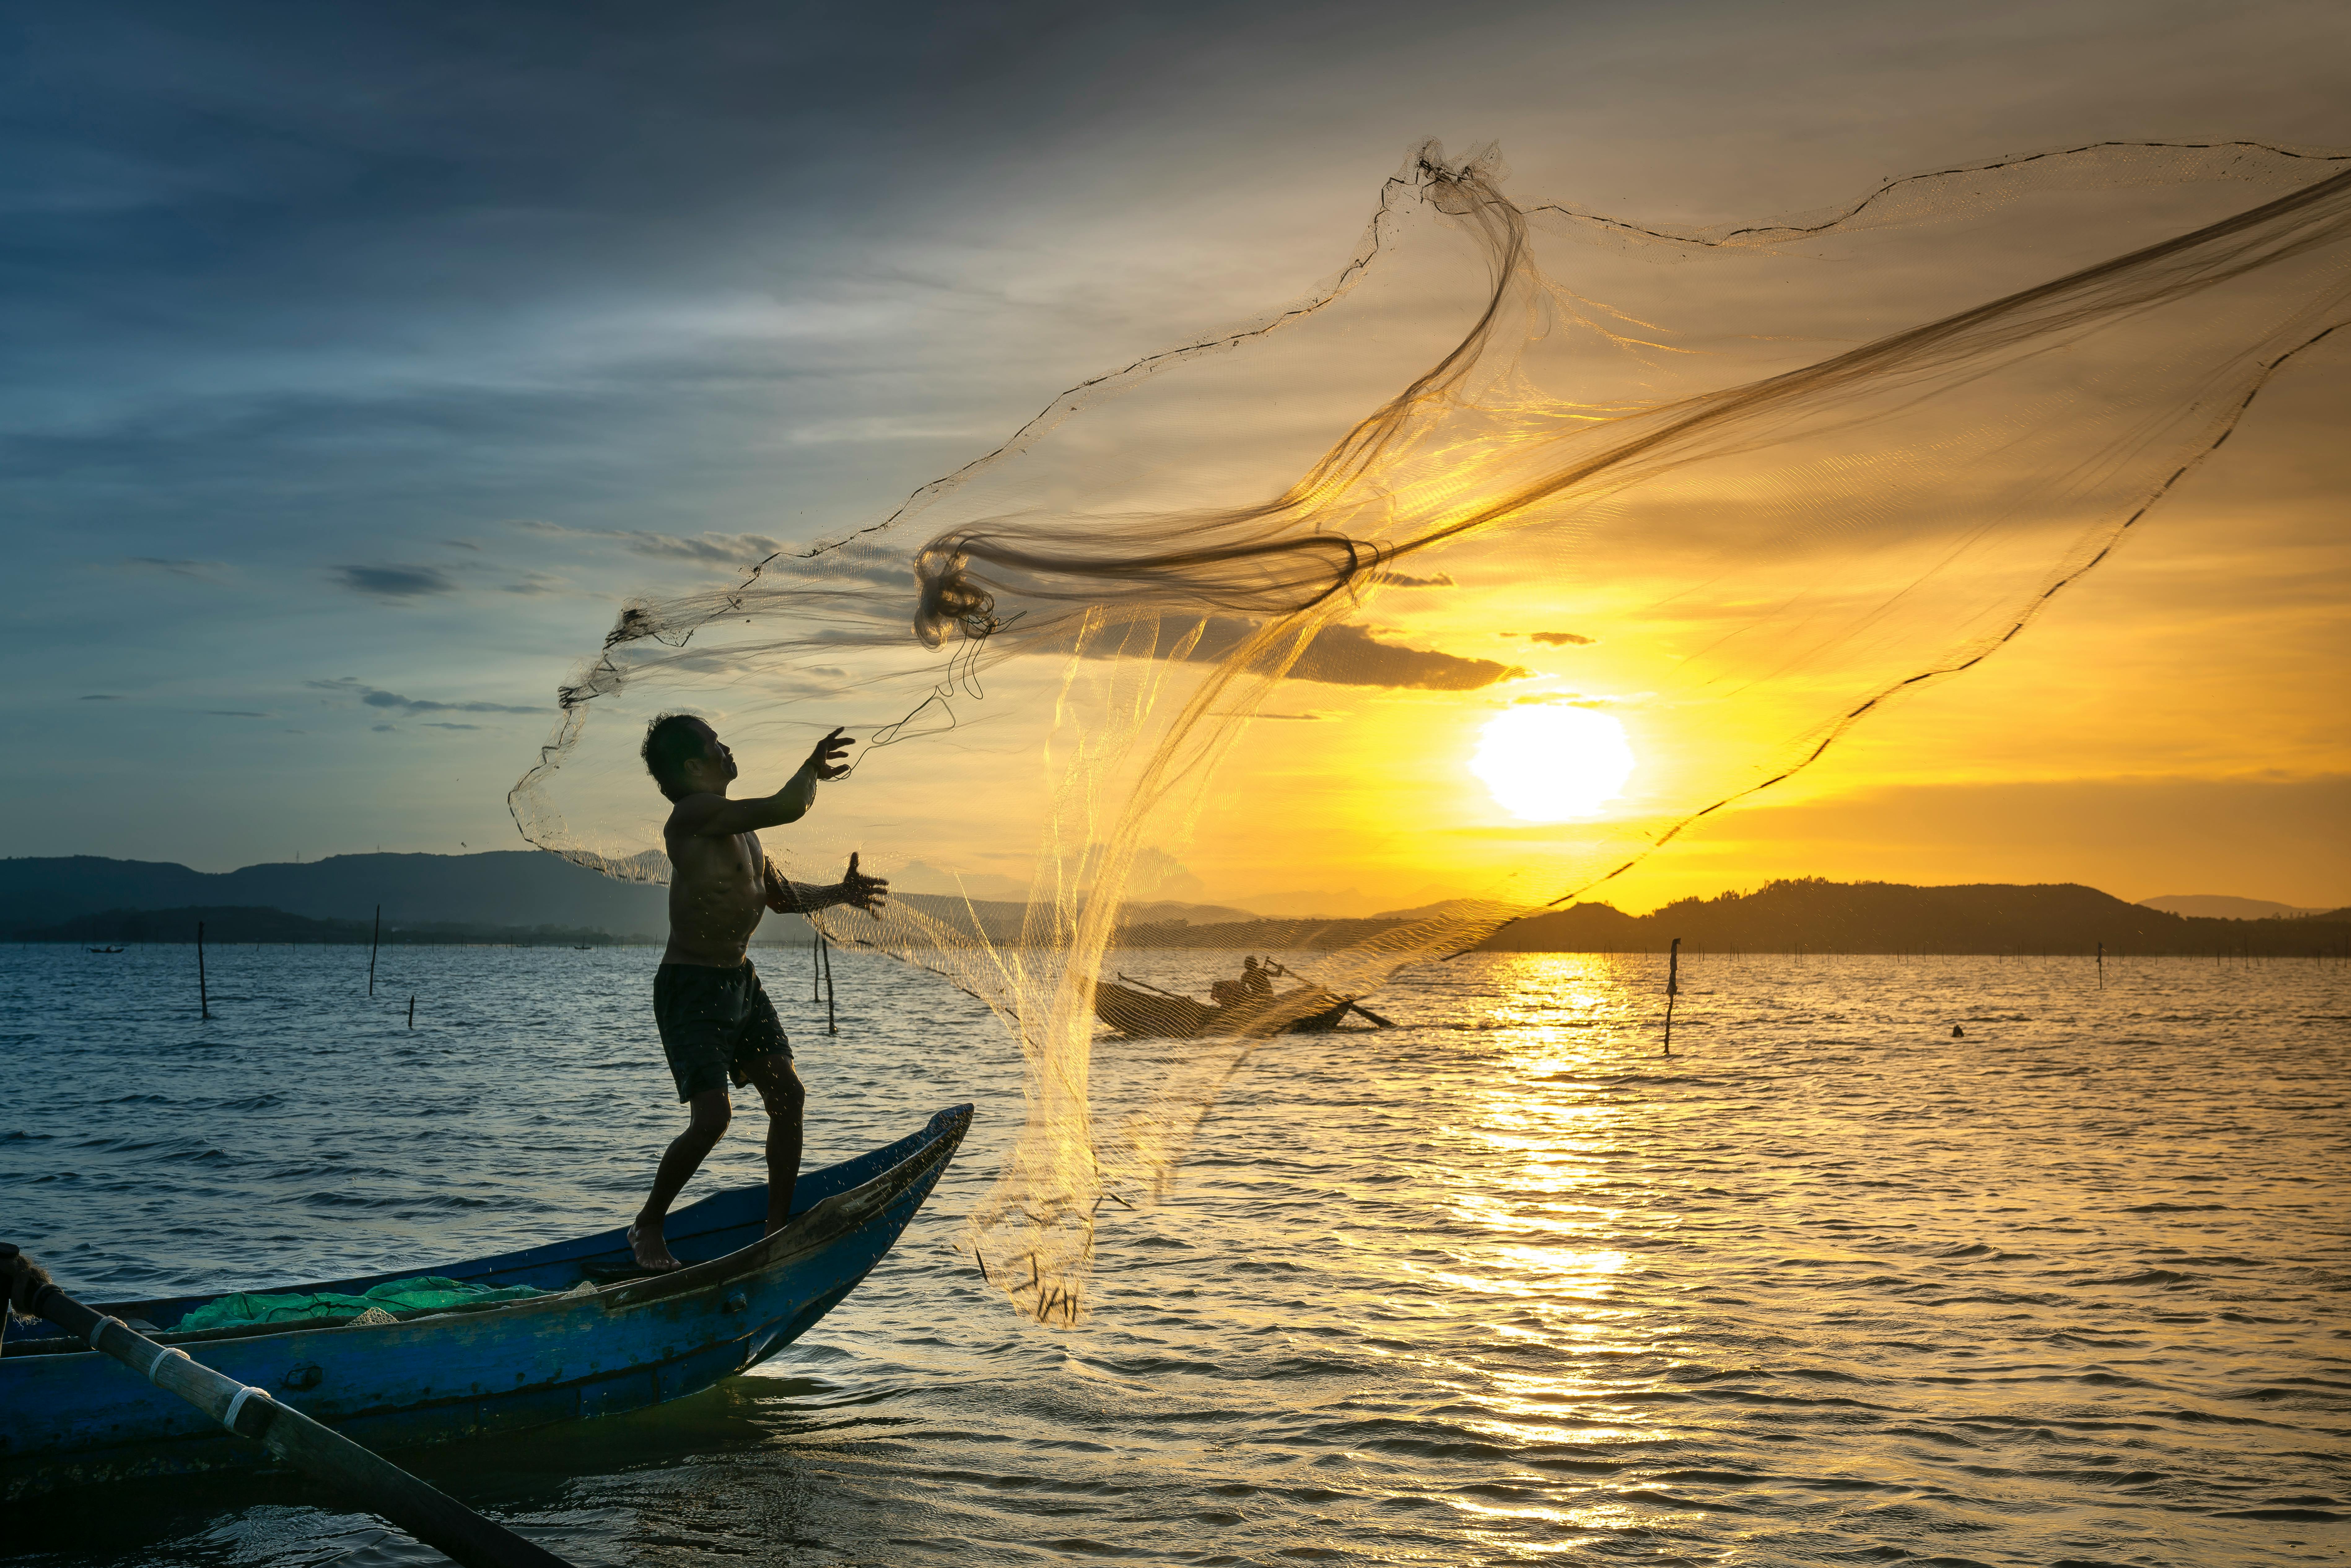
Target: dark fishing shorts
[[714, 1024]]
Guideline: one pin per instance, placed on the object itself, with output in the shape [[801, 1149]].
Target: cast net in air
[[1445, 594]]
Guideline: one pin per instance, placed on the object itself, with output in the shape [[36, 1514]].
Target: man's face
[[716, 753]]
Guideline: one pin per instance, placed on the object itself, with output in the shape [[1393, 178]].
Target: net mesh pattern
[[1732, 489]]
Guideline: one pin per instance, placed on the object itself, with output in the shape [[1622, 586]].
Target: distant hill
[[530, 896], [1815, 916], [497, 888], [2222, 907], [497, 896], [233, 926]]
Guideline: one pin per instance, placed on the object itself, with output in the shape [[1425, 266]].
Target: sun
[[1549, 764]]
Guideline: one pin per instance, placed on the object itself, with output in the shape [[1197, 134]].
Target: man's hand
[[825, 760], [862, 891]]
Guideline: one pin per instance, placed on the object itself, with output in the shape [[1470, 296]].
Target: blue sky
[[358, 361]]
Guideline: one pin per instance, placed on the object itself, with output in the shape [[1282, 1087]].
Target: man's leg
[[779, 1089], [710, 1112]]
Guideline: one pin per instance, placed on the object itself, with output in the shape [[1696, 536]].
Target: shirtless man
[[715, 1021]]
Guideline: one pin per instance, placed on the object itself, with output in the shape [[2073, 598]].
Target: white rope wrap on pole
[[157, 1360], [237, 1404]]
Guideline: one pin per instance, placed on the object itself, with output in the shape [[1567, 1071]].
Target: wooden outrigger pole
[[426, 1513]]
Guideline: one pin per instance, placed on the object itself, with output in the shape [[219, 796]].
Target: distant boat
[[105, 949], [607, 1338], [1148, 1014], [583, 946]]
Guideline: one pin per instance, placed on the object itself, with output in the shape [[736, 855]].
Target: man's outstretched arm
[[856, 890], [715, 816]]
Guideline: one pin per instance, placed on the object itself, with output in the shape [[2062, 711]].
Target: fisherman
[[715, 1021], [1257, 982]]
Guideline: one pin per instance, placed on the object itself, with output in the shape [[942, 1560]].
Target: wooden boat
[[69, 1416], [1306, 1009], [105, 949]]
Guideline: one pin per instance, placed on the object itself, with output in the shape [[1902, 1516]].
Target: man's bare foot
[[649, 1247]]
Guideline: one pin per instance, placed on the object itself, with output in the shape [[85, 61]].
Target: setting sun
[[1549, 764]]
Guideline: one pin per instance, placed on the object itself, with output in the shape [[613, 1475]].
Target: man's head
[[685, 757]]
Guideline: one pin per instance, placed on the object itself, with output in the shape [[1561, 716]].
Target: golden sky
[[328, 468]]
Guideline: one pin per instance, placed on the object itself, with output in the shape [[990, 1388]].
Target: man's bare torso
[[718, 891]]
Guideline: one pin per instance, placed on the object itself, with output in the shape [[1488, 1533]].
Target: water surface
[[1502, 1285]]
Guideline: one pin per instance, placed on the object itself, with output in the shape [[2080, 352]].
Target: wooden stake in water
[[373, 943], [1673, 988], [412, 1010], [826, 947], [2102, 966], [203, 994]]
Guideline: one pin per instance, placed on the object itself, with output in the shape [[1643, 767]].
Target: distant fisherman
[[715, 1021]]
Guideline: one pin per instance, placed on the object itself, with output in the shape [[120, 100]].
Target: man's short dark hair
[[671, 741]]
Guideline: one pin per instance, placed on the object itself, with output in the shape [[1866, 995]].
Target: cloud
[[102, 697], [533, 582], [193, 571], [377, 697], [1574, 699], [435, 724], [709, 549], [1400, 580], [1350, 657], [384, 728], [463, 544], [235, 713], [1557, 639], [396, 582]]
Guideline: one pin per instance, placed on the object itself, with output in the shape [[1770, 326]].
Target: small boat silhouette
[[1143, 1010]]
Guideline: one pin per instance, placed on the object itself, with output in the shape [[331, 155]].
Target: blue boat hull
[[70, 1417]]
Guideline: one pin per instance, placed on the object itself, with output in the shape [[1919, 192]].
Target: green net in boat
[[428, 1293]]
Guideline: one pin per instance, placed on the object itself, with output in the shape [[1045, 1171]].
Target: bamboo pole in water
[[830, 1027], [426, 1513], [1673, 988], [204, 992], [373, 943]]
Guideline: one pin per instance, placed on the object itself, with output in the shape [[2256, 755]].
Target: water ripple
[[1503, 1285]]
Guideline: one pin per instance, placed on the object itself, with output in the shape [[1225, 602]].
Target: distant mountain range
[[2222, 907], [227, 925], [529, 896], [496, 896], [493, 890], [1809, 915]]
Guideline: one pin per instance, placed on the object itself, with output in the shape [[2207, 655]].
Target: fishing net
[[1464, 582], [424, 1293]]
